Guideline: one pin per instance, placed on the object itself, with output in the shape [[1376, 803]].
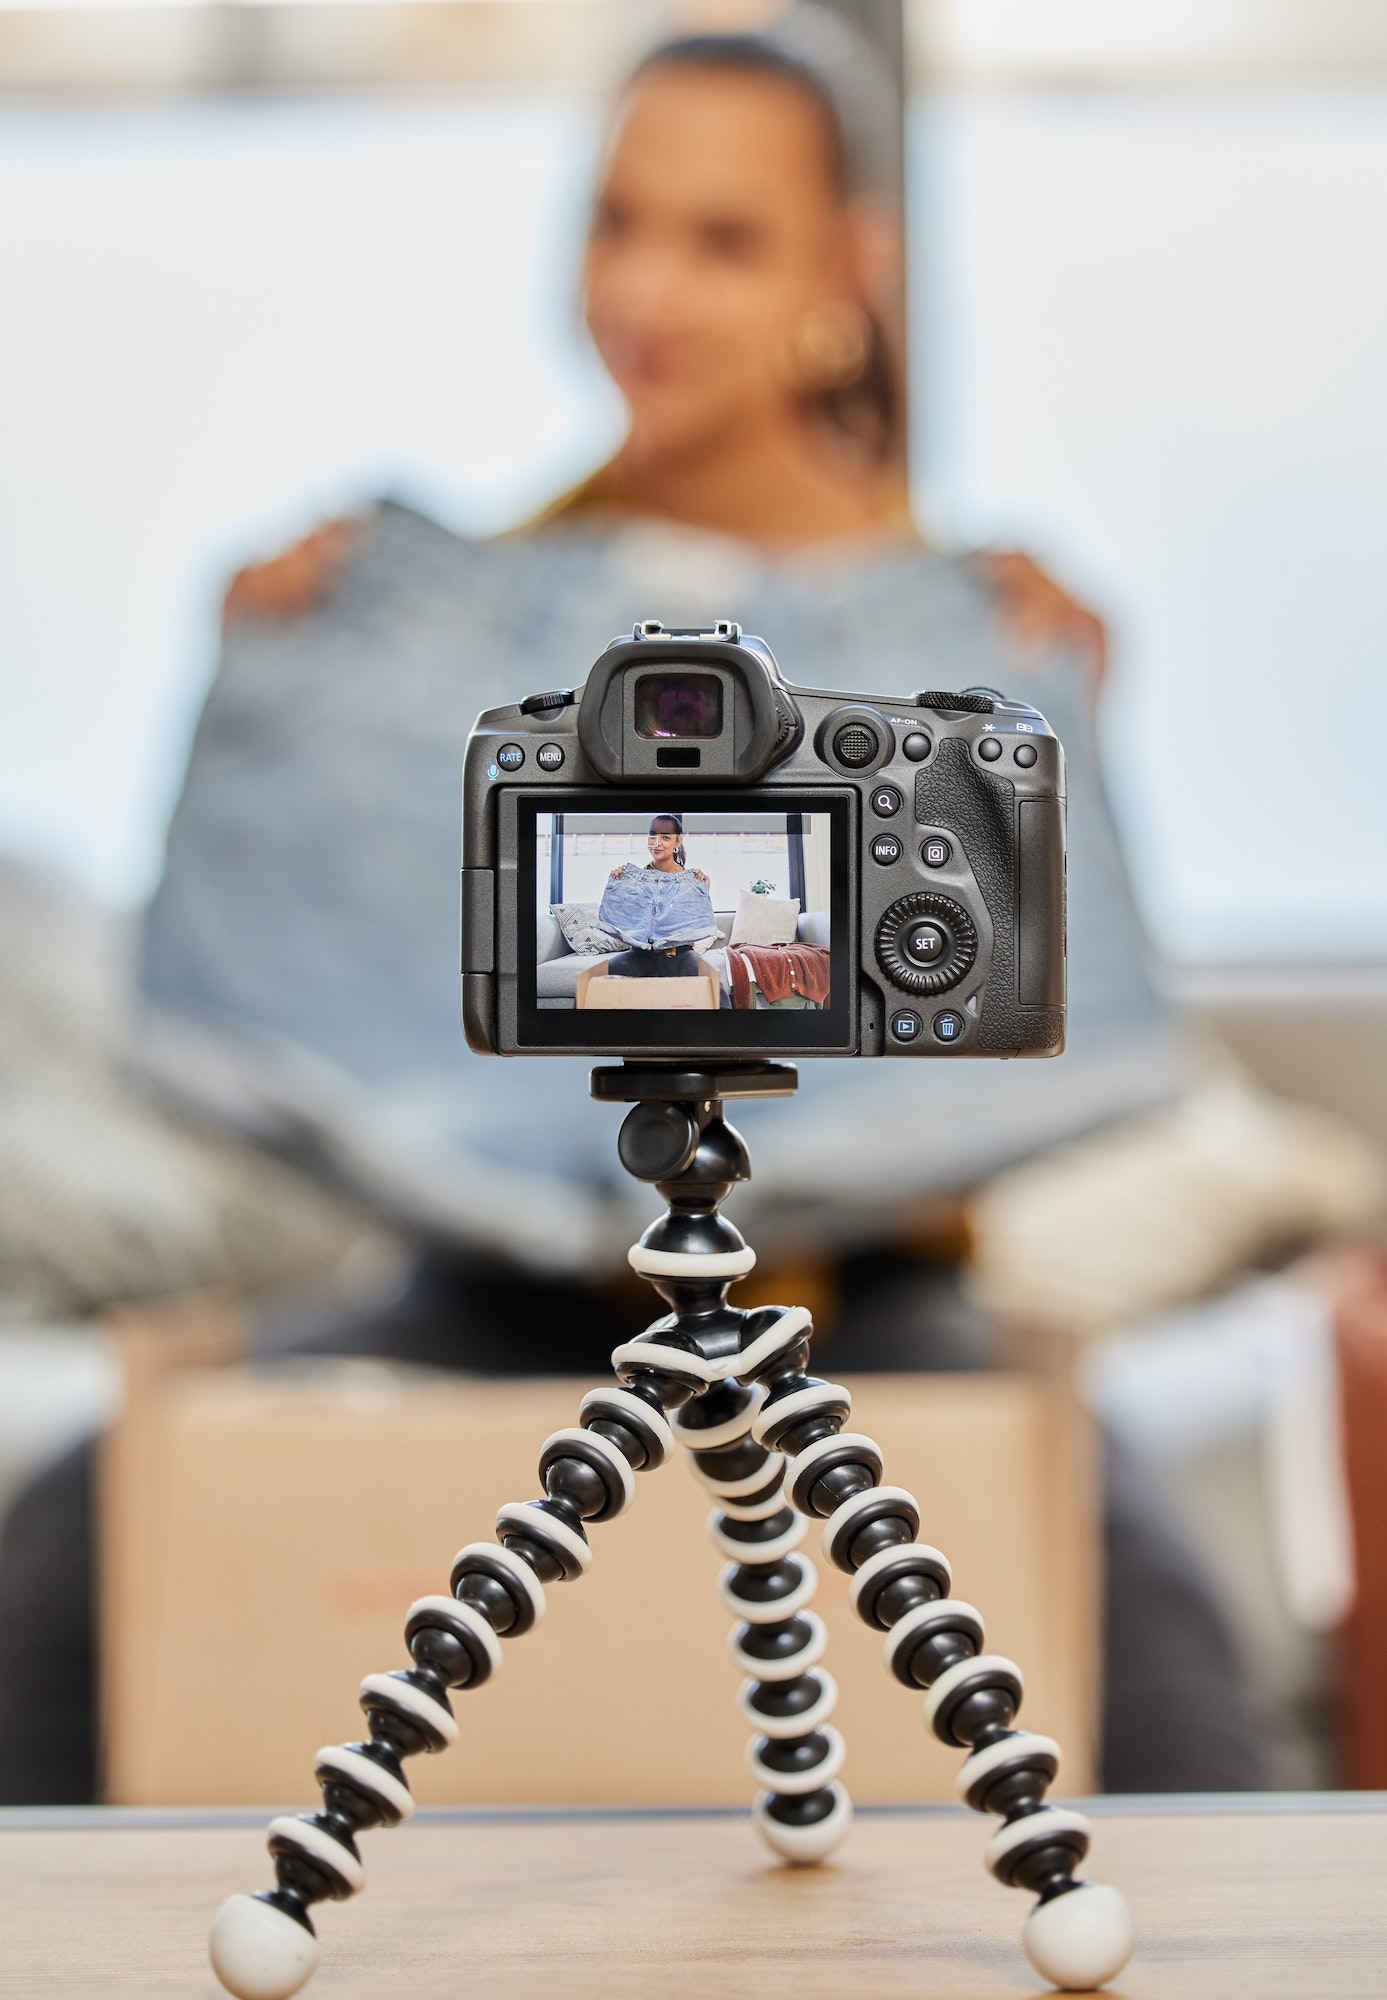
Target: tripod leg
[[264, 1947], [1078, 1934], [803, 1813]]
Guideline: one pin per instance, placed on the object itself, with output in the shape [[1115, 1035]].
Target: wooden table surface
[[1232, 1897]]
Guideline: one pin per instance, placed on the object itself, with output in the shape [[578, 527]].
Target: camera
[[689, 855]]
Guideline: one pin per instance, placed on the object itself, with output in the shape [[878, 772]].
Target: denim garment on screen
[[650, 909]]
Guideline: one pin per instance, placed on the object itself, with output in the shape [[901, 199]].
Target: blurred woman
[[298, 981]]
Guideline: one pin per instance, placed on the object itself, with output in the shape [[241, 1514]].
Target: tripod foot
[[786, 1825], [259, 1952], [1080, 1940]]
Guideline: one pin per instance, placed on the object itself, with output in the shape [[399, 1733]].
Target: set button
[[885, 801], [510, 756], [924, 944], [886, 849], [948, 1026], [936, 853], [905, 1026], [549, 756]]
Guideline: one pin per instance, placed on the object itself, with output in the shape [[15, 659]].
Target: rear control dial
[[926, 942]]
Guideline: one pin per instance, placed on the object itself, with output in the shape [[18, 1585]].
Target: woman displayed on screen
[[663, 920]]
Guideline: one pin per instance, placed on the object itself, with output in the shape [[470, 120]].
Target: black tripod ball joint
[[767, 1440]]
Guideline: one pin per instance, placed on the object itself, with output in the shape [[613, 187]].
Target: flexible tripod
[[767, 1440]]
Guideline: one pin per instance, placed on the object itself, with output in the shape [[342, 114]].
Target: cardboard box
[[264, 1533]]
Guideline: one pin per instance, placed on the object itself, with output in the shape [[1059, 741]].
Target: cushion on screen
[[814, 928], [549, 939], [764, 919], [582, 932]]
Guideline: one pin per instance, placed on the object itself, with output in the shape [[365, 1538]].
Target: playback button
[[905, 1026]]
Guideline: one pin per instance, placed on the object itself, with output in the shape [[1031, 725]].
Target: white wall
[[1156, 329], [217, 323]]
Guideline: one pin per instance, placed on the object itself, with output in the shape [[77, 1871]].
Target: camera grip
[[1018, 863]]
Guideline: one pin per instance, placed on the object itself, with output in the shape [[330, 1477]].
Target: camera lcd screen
[[678, 705], [678, 928]]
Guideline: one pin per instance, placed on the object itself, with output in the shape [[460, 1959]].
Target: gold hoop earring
[[831, 345]]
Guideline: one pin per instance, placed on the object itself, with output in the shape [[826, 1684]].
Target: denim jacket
[[650, 909]]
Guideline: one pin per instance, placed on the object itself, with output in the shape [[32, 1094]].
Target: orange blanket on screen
[[782, 971]]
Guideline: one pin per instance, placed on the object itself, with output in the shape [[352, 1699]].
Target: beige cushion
[[764, 919]]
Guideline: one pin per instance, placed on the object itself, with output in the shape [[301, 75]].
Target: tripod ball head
[[657, 1141]]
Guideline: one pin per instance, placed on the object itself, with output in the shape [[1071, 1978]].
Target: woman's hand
[[1039, 612], [295, 583], [699, 876], [615, 872]]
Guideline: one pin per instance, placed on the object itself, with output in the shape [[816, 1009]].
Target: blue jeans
[[650, 909]]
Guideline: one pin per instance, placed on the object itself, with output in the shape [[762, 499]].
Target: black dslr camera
[[688, 856]]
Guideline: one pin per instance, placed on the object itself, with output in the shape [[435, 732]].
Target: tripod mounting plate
[[680, 1083]]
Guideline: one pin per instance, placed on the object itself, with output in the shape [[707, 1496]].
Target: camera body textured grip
[[1019, 870]]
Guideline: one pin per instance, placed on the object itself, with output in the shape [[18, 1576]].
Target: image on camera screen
[[683, 911]]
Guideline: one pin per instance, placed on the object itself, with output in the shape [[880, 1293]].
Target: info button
[[886, 849]]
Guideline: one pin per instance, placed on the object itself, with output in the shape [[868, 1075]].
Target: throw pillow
[[582, 932], [764, 919]]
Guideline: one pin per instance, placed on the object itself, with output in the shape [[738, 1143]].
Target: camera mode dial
[[926, 942], [546, 703]]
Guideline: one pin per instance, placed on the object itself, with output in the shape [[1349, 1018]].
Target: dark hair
[[675, 820], [832, 65]]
